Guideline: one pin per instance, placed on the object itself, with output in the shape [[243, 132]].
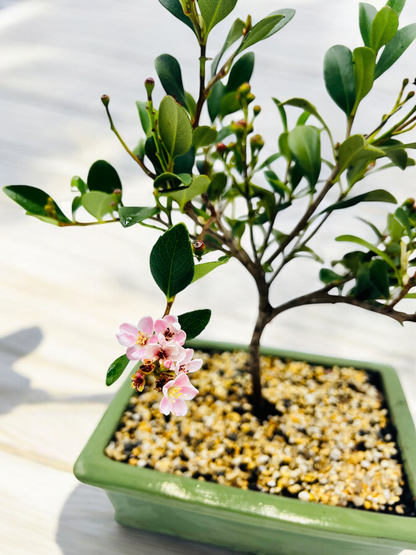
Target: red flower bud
[[221, 148], [105, 99], [199, 248]]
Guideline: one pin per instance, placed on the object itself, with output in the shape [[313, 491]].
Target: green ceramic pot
[[247, 521]]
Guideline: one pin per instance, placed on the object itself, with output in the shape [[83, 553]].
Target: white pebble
[[365, 464], [304, 496]]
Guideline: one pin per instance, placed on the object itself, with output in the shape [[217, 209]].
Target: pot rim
[[93, 467]]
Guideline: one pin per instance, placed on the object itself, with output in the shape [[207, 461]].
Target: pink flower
[[135, 338], [169, 329], [175, 393], [188, 365], [165, 354]]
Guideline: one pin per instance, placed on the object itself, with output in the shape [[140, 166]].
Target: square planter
[[248, 521]]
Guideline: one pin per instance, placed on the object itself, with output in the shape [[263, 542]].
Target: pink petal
[[134, 353], [153, 339], [194, 365], [180, 337], [170, 319], [126, 339], [129, 328], [182, 380], [160, 326], [167, 386], [179, 407], [151, 351], [189, 392], [165, 406], [146, 325], [188, 356]]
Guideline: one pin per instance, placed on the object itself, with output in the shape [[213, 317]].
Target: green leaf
[[229, 104], [396, 5], [144, 117], [217, 186], [379, 277], [36, 202], [356, 149], [277, 185], [267, 163], [181, 179], [185, 163], [175, 8], [378, 195], [190, 104], [204, 136], [98, 204], [170, 75], [172, 261], [214, 100], [328, 276], [236, 32], [116, 369], [201, 270], [395, 48], [282, 113], [367, 15], [175, 128], [403, 218], [267, 27], [151, 153], [339, 77], [373, 227], [307, 107], [79, 184], [364, 61], [103, 177], [194, 323], [372, 248], [241, 72], [198, 187], [305, 145], [214, 11], [224, 133], [384, 28], [398, 156], [131, 215], [76, 203], [312, 253]]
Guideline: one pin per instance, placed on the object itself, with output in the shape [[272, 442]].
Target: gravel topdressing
[[330, 440]]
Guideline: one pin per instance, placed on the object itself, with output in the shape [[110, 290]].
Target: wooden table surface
[[64, 291]]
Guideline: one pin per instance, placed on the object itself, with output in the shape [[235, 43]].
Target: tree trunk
[[258, 400]]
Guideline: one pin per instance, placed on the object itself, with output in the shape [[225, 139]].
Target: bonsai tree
[[216, 197]]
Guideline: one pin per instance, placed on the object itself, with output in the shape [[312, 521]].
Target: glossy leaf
[[267, 27], [172, 262], [356, 149], [175, 128], [98, 204], [364, 61], [384, 27], [367, 14], [241, 72], [135, 214], [370, 247], [116, 369], [395, 48], [190, 104], [379, 277], [328, 276], [144, 117], [229, 104], [197, 188], [194, 323], [76, 204], [236, 32], [79, 184], [373, 196], [398, 156], [214, 11], [269, 161], [403, 218], [396, 5], [170, 75], [305, 145], [217, 186], [172, 178], [307, 107], [282, 113], [103, 177], [204, 136], [214, 100], [36, 202], [175, 8], [339, 77], [185, 163], [201, 270]]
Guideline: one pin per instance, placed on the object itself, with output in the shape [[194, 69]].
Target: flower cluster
[[158, 347]]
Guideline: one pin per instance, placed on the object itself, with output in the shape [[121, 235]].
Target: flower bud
[[244, 89], [231, 147], [410, 203], [149, 85], [221, 148], [250, 98], [138, 381], [199, 248], [257, 142], [105, 99], [405, 82], [410, 95], [257, 110]]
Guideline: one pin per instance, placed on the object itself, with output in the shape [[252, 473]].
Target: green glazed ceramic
[[248, 521]]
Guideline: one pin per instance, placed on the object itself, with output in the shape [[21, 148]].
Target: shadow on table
[[87, 527], [16, 389]]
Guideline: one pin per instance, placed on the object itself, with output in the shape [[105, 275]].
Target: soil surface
[[329, 439]]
